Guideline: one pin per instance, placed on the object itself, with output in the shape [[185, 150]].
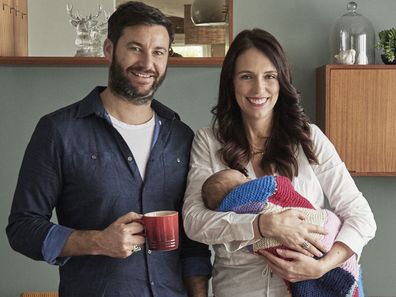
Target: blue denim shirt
[[77, 163]]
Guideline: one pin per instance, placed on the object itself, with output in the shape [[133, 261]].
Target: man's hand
[[118, 240]]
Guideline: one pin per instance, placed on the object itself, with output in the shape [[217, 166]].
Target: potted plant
[[387, 43]]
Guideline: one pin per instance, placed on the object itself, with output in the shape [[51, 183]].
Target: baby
[[230, 190]]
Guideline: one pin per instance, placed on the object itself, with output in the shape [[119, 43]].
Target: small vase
[[385, 61]]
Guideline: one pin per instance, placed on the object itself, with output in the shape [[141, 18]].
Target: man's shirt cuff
[[54, 243]]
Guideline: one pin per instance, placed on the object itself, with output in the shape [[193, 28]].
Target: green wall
[[302, 26]]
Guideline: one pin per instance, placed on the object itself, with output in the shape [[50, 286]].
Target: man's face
[[138, 63]]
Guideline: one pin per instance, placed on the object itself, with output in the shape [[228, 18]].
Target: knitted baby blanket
[[272, 194]]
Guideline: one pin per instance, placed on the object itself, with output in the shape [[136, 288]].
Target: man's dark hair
[[134, 13]]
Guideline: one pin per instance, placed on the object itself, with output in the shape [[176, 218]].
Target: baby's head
[[219, 184]]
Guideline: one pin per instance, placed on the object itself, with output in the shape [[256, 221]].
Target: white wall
[[50, 32]]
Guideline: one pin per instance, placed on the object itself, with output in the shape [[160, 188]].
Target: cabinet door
[[6, 28], [21, 28], [360, 118]]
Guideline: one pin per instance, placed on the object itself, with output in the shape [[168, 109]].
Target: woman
[[260, 128]]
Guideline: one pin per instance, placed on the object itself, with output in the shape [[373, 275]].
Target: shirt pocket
[[94, 174]]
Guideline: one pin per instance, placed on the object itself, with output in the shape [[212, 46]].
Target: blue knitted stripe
[[335, 283], [251, 192]]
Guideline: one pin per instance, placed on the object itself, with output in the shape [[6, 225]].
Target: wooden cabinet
[[13, 28], [20, 28], [356, 109], [6, 28]]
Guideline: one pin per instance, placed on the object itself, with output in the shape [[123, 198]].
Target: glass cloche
[[352, 38]]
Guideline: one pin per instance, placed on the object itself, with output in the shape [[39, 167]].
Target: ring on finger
[[305, 245], [135, 248]]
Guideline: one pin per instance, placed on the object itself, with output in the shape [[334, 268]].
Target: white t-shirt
[[138, 138]]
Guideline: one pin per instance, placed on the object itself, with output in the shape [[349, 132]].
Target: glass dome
[[352, 38]]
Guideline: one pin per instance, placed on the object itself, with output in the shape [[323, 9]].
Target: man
[[101, 163]]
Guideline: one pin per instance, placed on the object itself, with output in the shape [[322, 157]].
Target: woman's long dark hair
[[290, 127]]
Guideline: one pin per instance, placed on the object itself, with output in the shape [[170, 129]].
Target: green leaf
[[387, 42]]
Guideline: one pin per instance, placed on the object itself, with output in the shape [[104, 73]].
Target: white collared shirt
[[237, 272]]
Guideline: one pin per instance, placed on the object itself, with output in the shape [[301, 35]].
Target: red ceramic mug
[[162, 230]]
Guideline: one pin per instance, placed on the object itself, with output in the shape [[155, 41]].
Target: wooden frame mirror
[[212, 40]]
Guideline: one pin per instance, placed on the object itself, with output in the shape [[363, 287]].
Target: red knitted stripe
[[286, 196]]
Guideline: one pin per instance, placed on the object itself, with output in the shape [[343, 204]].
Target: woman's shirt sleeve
[[344, 197], [204, 225]]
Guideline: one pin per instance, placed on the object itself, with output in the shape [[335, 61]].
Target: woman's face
[[256, 85]]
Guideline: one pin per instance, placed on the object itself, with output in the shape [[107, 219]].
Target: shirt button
[[152, 283], [178, 160], [93, 157], [129, 158], [149, 252]]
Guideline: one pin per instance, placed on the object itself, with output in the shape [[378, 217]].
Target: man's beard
[[119, 83]]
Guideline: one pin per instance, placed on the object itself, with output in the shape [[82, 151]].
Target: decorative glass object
[[352, 38], [90, 32]]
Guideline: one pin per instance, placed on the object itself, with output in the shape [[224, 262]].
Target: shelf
[[99, 61], [368, 67]]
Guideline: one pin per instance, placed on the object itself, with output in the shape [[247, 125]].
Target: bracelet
[[258, 225]]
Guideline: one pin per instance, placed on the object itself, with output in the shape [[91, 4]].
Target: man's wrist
[[82, 243]]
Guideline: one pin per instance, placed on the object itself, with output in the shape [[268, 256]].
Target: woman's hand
[[290, 229], [297, 268]]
